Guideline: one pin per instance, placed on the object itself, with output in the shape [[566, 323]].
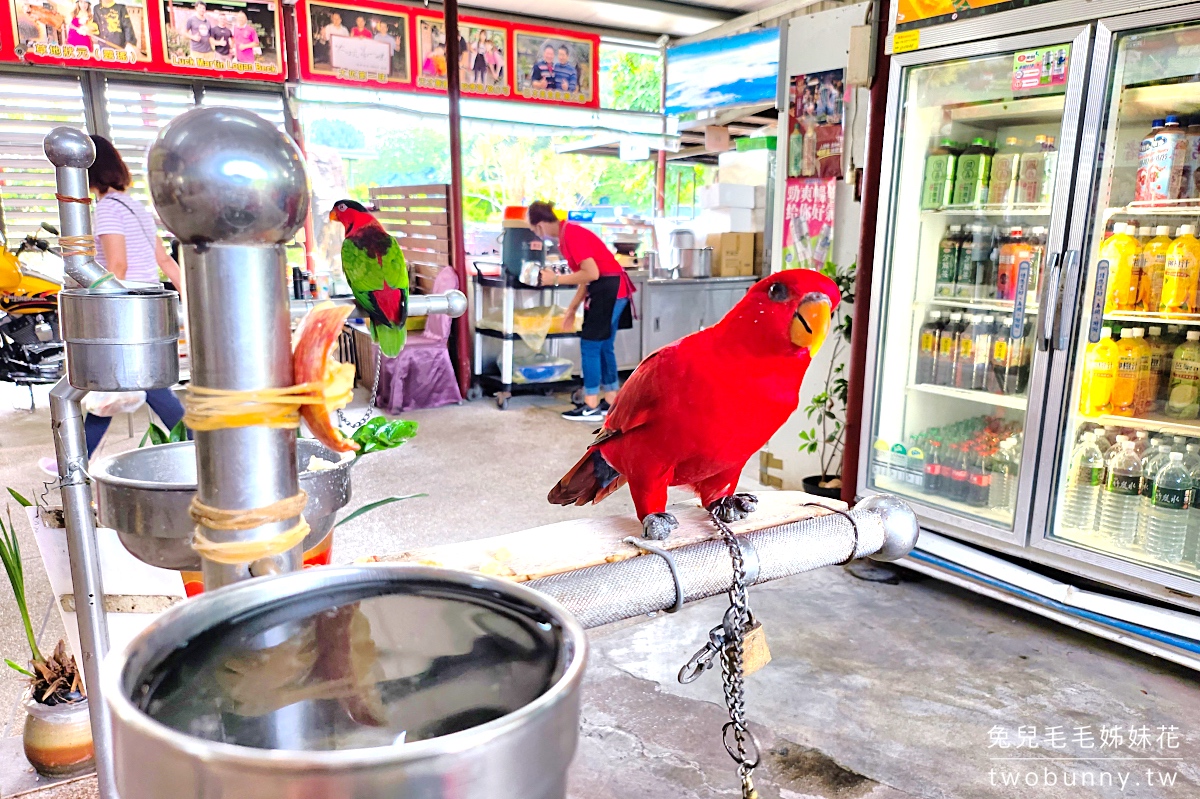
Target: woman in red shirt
[[604, 291]]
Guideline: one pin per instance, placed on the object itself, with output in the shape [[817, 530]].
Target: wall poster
[[808, 210], [364, 42], [815, 132], [556, 66], [115, 33], [483, 47], [220, 37]]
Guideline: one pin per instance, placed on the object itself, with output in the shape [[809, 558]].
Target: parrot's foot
[[734, 508], [657, 526]]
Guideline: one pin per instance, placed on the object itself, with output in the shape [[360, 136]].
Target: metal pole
[[240, 326], [70, 447], [72, 152], [462, 326], [876, 111]]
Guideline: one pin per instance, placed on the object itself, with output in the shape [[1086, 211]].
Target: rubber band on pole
[[77, 245], [217, 409], [232, 553], [66, 198]]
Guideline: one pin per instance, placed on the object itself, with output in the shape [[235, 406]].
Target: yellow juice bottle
[[1124, 392], [1154, 260], [1124, 256], [1099, 374], [1179, 272], [1146, 386]]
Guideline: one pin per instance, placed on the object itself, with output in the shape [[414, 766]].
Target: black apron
[[598, 309]]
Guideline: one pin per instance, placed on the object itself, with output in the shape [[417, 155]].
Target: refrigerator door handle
[[1066, 320], [1049, 301]]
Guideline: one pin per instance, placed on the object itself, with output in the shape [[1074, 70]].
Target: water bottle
[[1122, 493], [1151, 465], [1142, 440], [1084, 484], [1191, 462], [1005, 465], [1166, 529]]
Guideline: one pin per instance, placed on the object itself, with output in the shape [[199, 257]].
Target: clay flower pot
[[58, 738]]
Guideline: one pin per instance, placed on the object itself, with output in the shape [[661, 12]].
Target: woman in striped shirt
[[127, 244]]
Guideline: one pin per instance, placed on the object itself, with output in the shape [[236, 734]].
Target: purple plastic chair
[[422, 375]]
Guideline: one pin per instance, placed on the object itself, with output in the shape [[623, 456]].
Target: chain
[[737, 622], [342, 420]]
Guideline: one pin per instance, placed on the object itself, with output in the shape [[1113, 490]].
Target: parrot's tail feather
[[590, 480], [390, 339]]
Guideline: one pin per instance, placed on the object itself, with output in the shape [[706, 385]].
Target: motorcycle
[[31, 348]]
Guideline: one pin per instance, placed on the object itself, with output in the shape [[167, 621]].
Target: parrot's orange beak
[[333, 216], [810, 323]]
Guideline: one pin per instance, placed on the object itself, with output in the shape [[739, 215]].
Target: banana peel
[[313, 363]]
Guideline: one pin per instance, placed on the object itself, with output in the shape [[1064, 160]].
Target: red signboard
[[366, 42], [572, 78], [484, 46], [235, 39], [218, 39]]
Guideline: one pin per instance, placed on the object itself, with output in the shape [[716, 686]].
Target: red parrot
[[694, 412]]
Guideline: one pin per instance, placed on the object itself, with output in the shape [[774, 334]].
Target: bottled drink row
[[1136, 493], [1137, 374], [979, 352], [975, 461], [1017, 172], [1151, 271], [980, 261], [1169, 161]]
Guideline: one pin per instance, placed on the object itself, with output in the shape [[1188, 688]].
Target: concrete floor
[[876, 690]]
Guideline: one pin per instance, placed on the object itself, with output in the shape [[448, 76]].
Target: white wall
[[819, 42]]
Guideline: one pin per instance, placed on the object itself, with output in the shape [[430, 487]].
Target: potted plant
[[827, 409], [58, 733]]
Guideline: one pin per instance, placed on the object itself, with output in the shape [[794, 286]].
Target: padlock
[[755, 652]]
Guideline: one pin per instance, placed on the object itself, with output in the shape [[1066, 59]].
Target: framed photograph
[[115, 33], [362, 42], [555, 66], [483, 47], [237, 38]]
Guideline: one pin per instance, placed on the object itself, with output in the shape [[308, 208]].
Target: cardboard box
[[727, 195], [748, 167], [758, 267], [733, 254]]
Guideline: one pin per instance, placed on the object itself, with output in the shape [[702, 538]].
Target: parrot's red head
[[787, 312], [352, 214]]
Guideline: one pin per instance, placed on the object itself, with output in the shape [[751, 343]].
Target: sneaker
[[585, 414]]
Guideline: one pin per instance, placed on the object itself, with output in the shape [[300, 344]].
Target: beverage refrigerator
[[1029, 368]]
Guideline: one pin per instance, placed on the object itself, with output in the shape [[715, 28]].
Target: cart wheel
[[475, 392], [502, 400]]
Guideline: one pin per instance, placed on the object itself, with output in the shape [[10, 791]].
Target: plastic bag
[[110, 403]]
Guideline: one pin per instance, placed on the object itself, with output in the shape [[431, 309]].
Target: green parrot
[[374, 267]]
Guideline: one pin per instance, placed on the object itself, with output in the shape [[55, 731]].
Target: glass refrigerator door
[[1127, 466], [982, 149]]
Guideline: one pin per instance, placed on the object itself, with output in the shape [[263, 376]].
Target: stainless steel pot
[[405, 682], [144, 495], [695, 262]]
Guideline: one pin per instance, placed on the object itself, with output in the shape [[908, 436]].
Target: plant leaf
[[24, 503], [178, 433], [370, 506], [24, 671]]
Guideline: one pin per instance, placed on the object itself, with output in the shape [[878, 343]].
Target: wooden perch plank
[[409, 217], [407, 191], [398, 229], [580, 543], [413, 203]]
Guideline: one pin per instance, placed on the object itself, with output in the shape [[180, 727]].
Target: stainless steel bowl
[[410, 683], [144, 495]]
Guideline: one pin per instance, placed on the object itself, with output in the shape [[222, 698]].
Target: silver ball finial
[[70, 147], [900, 526], [227, 176]]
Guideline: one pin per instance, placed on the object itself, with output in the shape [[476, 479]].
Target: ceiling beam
[[752, 20]]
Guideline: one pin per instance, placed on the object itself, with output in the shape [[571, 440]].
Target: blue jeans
[[162, 400], [600, 358]]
